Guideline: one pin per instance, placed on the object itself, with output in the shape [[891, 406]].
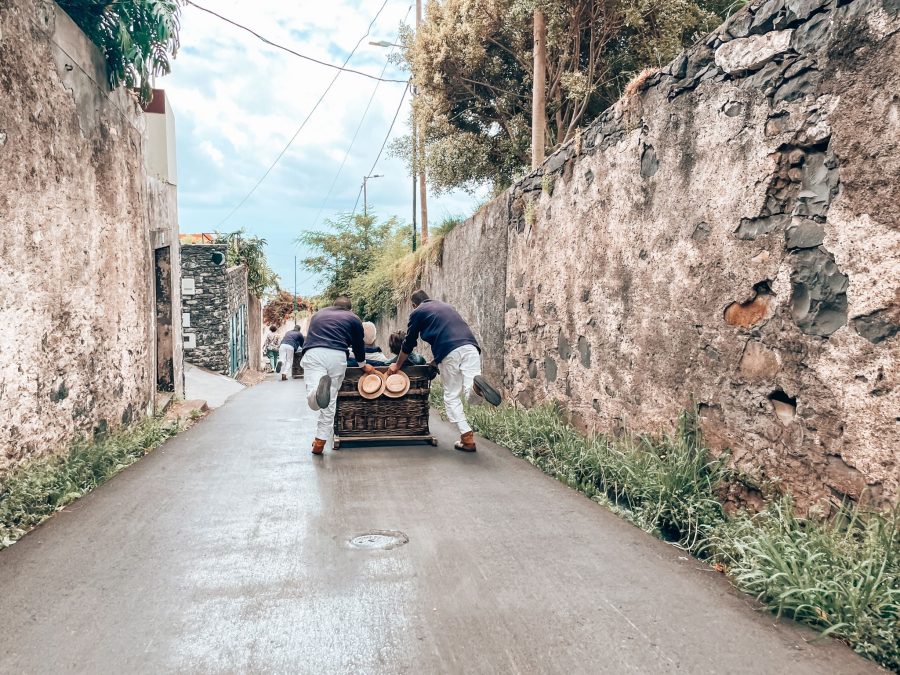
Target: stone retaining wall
[[725, 237]]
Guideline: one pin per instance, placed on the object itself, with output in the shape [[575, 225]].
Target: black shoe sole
[[490, 394], [464, 449], [278, 367], [323, 392]]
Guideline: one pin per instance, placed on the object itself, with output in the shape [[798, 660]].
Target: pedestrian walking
[[270, 347], [291, 343], [324, 359], [457, 355]]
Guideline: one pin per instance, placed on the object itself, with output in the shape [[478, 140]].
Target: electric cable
[[355, 135], [288, 49], [384, 143], [305, 120]]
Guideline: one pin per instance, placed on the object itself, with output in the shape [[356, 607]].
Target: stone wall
[[211, 294], [204, 299], [470, 274], [725, 236], [76, 266]]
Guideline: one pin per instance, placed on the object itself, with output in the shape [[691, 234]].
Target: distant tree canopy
[[472, 64], [346, 251], [137, 36], [250, 251]]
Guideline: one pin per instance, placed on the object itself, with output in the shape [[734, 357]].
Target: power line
[[288, 49], [306, 119], [384, 143], [355, 135]]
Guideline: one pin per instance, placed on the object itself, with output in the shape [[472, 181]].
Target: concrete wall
[[727, 236], [76, 264]]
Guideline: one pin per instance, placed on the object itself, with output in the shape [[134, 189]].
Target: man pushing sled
[[456, 353]]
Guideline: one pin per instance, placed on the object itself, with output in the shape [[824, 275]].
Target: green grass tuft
[[840, 575], [33, 492]]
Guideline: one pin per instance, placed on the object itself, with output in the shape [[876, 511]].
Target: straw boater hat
[[396, 385], [370, 385]]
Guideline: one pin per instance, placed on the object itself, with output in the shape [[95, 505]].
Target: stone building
[[215, 309], [88, 226]]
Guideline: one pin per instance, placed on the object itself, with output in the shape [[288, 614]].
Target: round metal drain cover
[[382, 540]]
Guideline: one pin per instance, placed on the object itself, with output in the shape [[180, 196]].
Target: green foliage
[[472, 62], [250, 251], [374, 293], [32, 493], [841, 576], [137, 36], [347, 250]]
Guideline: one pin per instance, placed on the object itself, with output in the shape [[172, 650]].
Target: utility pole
[[415, 185], [295, 292], [421, 149], [539, 96]]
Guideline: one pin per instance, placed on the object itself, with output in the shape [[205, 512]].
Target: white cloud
[[212, 152]]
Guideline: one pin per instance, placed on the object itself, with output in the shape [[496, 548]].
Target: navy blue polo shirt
[[441, 326], [334, 328]]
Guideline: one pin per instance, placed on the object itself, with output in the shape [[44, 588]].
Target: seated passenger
[[395, 342], [374, 355]]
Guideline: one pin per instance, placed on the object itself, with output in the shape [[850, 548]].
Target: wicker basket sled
[[383, 418]]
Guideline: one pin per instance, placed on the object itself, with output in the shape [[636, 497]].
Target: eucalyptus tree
[[472, 65]]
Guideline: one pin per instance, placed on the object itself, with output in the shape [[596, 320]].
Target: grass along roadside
[[840, 576], [36, 490]]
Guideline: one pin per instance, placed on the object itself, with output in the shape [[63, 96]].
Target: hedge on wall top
[[137, 36]]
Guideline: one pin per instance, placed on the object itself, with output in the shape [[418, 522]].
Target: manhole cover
[[379, 539]]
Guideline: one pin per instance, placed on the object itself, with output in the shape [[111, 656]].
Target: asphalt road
[[227, 550]]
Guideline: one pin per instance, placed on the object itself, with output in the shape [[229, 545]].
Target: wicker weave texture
[[383, 416]]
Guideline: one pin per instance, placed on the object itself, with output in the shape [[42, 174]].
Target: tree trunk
[[539, 101], [420, 151]]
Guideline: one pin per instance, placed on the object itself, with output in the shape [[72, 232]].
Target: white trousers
[[458, 370], [317, 363], [286, 356]]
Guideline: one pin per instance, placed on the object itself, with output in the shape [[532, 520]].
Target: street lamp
[[383, 43], [365, 192]]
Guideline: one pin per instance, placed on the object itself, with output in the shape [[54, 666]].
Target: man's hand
[[393, 368], [368, 368]]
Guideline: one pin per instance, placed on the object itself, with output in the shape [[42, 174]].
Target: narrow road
[[227, 550]]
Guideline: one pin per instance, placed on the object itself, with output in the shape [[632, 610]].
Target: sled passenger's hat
[[370, 385], [396, 385]]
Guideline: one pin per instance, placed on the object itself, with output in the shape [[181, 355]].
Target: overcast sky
[[238, 101]]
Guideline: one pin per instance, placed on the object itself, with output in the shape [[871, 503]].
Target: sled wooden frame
[[360, 420]]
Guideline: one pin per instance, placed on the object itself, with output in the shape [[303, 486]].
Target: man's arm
[[398, 364]]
